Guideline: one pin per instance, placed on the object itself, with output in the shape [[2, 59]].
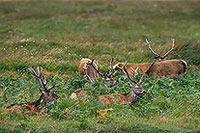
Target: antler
[[111, 71], [40, 78], [157, 56], [123, 69], [164, 56], [151, 48], [106, 76], [140, 80]]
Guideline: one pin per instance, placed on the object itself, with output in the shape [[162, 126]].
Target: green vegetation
[[57, 34]]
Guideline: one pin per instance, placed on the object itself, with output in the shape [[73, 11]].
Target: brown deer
[[46, 95], [106, 76], [87, 70], [122, 98], [161, 67], [29, 108]]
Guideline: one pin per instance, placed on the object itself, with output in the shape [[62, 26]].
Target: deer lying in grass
[[160, 67], [122, 98], [106, 76], [46, 95], [87, 70], [29, 108]]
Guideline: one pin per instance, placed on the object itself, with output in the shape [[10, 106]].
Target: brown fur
[[90, 70], [143, 66], [28, 108], [171, 68], [120, 98], [104, 99]]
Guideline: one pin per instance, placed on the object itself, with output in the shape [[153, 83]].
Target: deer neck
[[131, 96]]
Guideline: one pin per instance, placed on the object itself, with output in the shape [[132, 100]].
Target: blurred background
[[57, 34]]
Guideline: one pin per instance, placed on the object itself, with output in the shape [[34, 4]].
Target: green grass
[[169, 105], [57, 34]]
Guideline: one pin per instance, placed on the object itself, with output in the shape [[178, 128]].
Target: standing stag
[[160, 67], [46, 95], [87, 70], [122, 98]]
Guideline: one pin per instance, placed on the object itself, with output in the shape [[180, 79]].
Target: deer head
[[106, 76], [89, 71], [136, 85], [46, 95], [157, 56]]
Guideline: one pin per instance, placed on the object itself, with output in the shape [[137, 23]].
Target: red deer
[[46, 95], [87, 70], [122, 98], [161, 67], [106, 76], [29, 108]]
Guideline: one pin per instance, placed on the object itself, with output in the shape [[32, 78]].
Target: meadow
[[57, 34]]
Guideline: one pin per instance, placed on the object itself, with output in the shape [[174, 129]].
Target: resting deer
[[87, 70], [46, 95], [161, 67], [106, 76], [122, 98]]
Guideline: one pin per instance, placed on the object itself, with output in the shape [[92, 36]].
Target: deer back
[[112, 98], [29, 108], [171, 68], [130, 66]]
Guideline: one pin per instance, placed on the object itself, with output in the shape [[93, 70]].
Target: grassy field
[[57, 34]]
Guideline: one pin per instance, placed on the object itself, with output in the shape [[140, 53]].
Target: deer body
[[117, 98], [122, 98], [89, 70], [161, 67], [171, 68], [28, 108], [129, 66]]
